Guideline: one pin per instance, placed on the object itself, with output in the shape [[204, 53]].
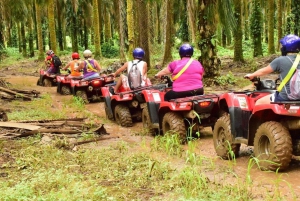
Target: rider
[[187, 75], [74, 65], [50, 63], [138, 55], [290, 46], [90, 66]]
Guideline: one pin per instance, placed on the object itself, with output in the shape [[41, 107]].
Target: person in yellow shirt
[[74, 64]]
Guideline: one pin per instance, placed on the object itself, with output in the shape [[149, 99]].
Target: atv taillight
[[96, 83], [205, 103]]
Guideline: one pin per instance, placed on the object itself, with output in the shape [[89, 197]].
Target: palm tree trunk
[[19, 37], [51, 21], [144, 30], [30, 37], [59, 26], [23, 40], [97, 54], [107, 24], [130, 24], [39, 31], [206, 43], [270, 17], [279, 22], [256, 28], [122, 31], [168, 33], [192, 19], [238, 33]]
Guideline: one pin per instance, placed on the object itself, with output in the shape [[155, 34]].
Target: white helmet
[[87, 53]]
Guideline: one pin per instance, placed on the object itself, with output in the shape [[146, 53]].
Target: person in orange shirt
[[74, 64]]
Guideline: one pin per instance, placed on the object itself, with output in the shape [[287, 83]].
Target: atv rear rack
[[193, 98]]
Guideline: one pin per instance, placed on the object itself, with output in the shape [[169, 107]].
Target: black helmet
[[186, 50]]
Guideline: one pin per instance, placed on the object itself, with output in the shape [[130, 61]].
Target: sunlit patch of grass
[[43, 108]]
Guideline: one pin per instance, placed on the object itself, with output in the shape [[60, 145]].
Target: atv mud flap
[[108, 110], [239, 120], [153, 112], [58, 90], [40, 81]]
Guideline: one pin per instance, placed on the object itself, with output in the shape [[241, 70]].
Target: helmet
[[290, 43], [87, 53], [186, 50], [49, 52], [75, 55], [138, 53]]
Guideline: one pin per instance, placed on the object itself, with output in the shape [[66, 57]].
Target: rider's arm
[[97, 65], [145, 69], [81, 65], [164, 71], [67, 66], [120, 69], [260, 72]]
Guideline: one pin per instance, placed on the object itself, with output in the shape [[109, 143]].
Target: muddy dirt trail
[[204, 147]]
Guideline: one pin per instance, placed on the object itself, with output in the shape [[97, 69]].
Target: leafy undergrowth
[[37, 171]]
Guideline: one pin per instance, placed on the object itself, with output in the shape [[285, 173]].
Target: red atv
[[125, 106], [48, 79], [64, 84], [183, 116], [90, 90], [271, 128]]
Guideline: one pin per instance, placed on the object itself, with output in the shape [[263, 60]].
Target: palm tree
[[51, 22], [168, 32], [130, 24], [96, 30], [270, 17], [238, 32], [122, 30], [1, 28], [39, 29], [207, 26], [191, 4], [256, 28], [279, 22], [144, 30]]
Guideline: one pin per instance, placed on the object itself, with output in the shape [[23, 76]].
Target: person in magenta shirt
[[189, 82]]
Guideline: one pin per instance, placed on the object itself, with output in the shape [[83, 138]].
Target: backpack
[[134, 76], [293, 77], [295, 86], [56, 61]]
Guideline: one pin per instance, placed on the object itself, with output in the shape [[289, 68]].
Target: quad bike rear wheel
[[123, 116], [223, 139], [82, 94], [273, 146], [147, 122], [47, 83], [174, 123], [65, 90]]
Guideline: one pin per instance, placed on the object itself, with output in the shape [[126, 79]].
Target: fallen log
[[15, 93], [19, 125], [92, 140]]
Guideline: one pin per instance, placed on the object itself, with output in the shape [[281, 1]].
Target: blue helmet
[[290, 43], [186, 50], [138, 53]]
